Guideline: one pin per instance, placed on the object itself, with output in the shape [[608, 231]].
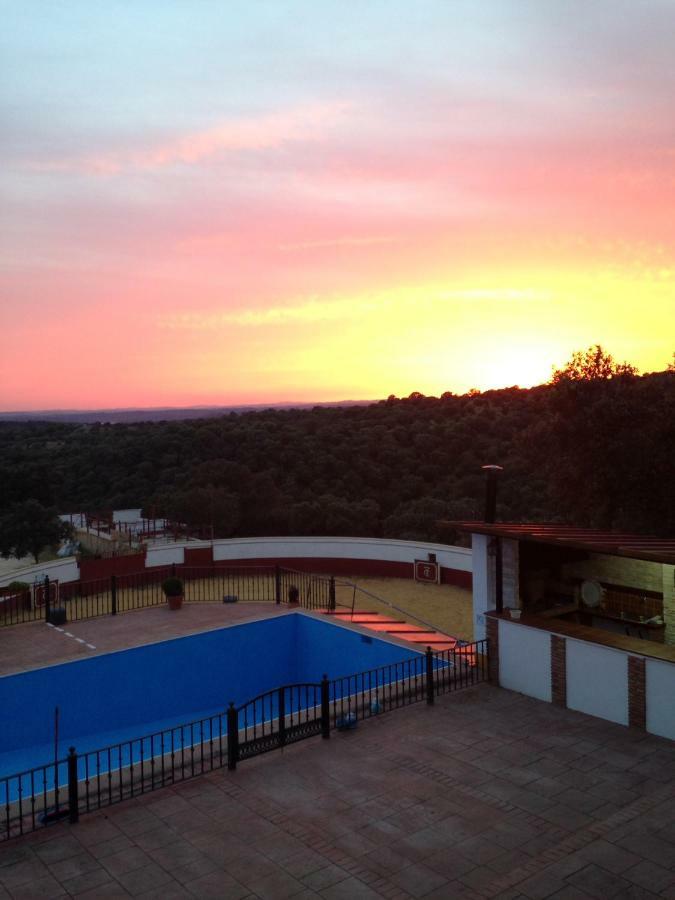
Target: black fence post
[[325, 708], [331, 594], [173, 570], [73, 787], [113, 595], [232, 738], [48, 602], [430, 676], [282, 716], [277, 585]]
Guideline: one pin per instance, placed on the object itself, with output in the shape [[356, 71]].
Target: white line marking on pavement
[[68, 634]]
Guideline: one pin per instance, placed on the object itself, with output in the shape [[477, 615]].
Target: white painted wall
[[63, 570], [597, 681], [127, 516], [482, 583], [164, 555], [525, 660], [341, 547], [660, 694]]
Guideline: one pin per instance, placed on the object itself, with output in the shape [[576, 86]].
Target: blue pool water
[[115, 697]]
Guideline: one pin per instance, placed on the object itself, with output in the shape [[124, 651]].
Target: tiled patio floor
[[485, 794]]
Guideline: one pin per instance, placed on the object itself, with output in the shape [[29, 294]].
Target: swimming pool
[[112, 698]]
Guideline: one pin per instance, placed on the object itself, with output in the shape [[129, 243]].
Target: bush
[[172, 587], [19, 586]]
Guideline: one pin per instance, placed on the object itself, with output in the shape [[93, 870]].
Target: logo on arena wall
[[428, 572]]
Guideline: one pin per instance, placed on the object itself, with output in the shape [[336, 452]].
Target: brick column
[[558, 670], [492, 634], [637, 702]]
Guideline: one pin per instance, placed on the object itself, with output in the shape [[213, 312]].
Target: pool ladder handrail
[[391, 605]]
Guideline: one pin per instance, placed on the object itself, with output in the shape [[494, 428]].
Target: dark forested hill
[[593, 452]]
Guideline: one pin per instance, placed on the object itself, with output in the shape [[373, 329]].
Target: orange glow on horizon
[[430, 338]]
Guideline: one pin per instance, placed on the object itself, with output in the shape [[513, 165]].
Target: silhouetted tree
[[29, 527], [591, 365]]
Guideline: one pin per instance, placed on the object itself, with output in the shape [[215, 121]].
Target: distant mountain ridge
[[159, 413]]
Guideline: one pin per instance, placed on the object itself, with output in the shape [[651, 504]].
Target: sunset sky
[[261, 201]]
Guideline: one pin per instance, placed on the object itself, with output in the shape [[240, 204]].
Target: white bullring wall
[[165, 554], [61, 570], [597, 680], [659, 690], [341, 547], [525, 660], [315, 547]]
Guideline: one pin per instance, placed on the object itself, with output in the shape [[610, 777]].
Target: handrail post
[[430, 676], [325, 708], [232, 737], [73, 788], [113, 595], [282, 716], [48, 602], [331, 594], [277, 585]]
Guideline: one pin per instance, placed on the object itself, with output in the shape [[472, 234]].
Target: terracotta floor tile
[[147, 878], [219, 885]]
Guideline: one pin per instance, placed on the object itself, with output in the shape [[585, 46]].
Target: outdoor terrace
[[485, 794]]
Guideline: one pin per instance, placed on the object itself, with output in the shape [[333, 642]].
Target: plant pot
[[175, 602]]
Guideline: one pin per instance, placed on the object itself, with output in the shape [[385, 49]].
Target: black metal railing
[[276, 718], [307, 590], [121, 593], [27, 603], [33, 799], [95, 779], [214, 583], [359, 592]]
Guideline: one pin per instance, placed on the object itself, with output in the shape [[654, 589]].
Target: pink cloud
[[307, 123]]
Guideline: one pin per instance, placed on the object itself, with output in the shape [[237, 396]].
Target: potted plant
[[173, 591]]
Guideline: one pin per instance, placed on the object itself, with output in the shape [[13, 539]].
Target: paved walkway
[[486, 794]]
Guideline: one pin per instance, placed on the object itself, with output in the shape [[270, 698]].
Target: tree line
[[594, 447]]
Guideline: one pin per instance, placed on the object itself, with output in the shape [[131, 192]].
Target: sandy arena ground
[[445, 606]]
